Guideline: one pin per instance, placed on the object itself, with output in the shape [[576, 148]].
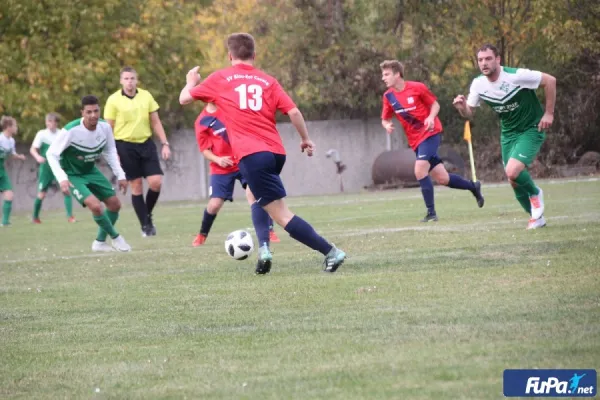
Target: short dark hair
[[395, 65], [127, 69], [488, 46], [241, 46], [89, 100]]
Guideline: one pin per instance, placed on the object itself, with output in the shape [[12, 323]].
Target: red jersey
[[212, 134], [248, 99], [412, 106]]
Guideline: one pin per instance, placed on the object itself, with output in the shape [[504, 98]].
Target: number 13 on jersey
[[250, 97]]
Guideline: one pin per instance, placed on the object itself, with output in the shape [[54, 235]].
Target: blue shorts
[[221, 185], [427, 150], [261, 171]]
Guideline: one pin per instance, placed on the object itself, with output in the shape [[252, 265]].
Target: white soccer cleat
[[101, 246], [536, 223], [537, 205], [120, 244]]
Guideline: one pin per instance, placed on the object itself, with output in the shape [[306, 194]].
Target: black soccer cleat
[[431, 216], [151, 231], [263, 267], [265, 258], [333, 260], [477, 193]]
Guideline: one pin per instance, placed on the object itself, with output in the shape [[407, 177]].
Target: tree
[[55, 52]]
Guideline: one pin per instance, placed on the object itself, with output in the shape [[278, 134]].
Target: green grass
[[433, 311]]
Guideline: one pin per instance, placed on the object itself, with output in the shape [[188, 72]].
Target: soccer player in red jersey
[[213, 143], [249, 99], [417, 108]]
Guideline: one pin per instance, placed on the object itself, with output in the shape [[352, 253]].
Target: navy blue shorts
[[427, 150], [261, 171], [221, 185]]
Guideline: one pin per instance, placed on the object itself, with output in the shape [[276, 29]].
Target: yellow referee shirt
[[131, 115]]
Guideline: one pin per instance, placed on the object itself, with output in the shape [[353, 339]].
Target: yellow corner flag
[[467, 131], [467, 137]]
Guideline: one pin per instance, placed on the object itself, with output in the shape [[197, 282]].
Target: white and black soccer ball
[[239, 244]]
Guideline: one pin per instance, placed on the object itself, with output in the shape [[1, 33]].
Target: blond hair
[[6, 122], [395, 65], [53, 116]]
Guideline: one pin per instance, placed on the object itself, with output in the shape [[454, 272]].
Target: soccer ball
[[239, 244]]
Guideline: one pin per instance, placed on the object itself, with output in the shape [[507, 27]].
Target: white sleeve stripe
[[111, 156], [53, 155]]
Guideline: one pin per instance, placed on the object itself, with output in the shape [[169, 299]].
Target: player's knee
[[442, 179], [421, 169], [283, 219], [214, 206], [155, 183], [41, 195], [136, 186], [250, 196], [113, 204], [8, 195], [95, 206], [512, 173], [280, 213]]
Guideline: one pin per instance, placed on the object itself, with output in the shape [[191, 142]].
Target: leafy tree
[[54, 52]]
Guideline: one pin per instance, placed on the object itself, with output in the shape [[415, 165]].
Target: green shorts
[[522, 146], [45, 178], [4, 182], [93, 183]]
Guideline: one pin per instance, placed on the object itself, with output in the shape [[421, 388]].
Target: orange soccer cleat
[[273, 238], [199, 240]]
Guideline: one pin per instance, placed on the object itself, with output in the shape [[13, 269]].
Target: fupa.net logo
[[550, 383]]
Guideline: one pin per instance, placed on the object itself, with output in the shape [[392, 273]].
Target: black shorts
[[139, 160], [261, 172]]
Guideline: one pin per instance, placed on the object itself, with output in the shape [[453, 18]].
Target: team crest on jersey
[[98, 138], [504, 87], [410, 100]]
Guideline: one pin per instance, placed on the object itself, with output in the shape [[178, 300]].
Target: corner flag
[[467, 137]]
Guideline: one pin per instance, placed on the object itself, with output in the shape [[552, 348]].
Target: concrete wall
[[357, 141]]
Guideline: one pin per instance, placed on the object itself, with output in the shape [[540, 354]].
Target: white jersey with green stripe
[[7, 148], [512, 96], [43, 140], [76, 150]]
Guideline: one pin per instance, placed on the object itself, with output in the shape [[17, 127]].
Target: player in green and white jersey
[[39, 147], [72, 157], [9, 127], [511, 94]]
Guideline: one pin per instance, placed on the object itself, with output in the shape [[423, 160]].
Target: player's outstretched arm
[[549, 84], [62, 141], [465, 110], [192, 79]]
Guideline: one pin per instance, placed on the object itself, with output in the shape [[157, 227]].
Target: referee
[[131, 112]]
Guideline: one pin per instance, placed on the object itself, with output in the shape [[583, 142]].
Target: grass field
[[418, 311]]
